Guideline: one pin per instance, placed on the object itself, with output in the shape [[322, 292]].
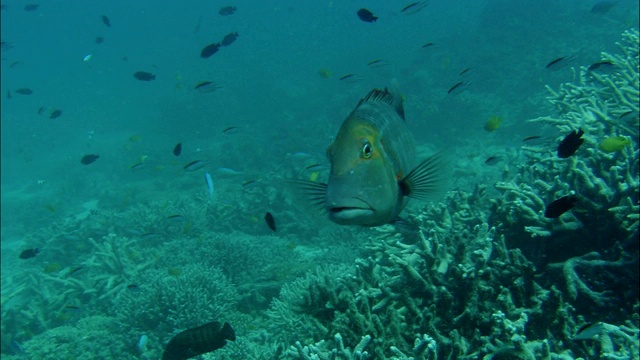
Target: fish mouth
[[349, 211]]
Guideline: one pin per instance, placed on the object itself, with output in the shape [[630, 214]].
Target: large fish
[[199, 340], [373, 165]]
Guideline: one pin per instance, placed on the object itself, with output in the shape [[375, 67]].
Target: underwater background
[[133, 246]]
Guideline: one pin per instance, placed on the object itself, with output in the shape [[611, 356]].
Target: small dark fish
[[133, 287], [457, 88], [589, 331], [560, 206], [629, 116], [414, 7], [176, 218], [199, 340], [15, 346], [377, 63], [366, 15], [99, 40], [177, 150], [227, 10], [105, 21], [493, 160], [229, 39], [72, 307], [271, 222], [8, 94], [75, 270], [349, 78], [603, 7], [31, 7], [531, 138], [465, 71], [428, 45], [144, 76], [55, 114], [6, 45], [570, 144], [195, 165], [312, 166], [559, 62], [230, 130], [248, 182], [23, 91], [206, 87], [29, 253], [137, 166], [209, 50], [88, 159], [602, 66]]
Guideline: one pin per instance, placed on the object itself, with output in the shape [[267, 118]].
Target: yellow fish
[[613, 144], [493, 123], [324, 73], [314, 176], [373, 165]]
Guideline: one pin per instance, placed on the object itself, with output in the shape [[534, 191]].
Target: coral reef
[[603, 104], [468, 288], [93, 337]]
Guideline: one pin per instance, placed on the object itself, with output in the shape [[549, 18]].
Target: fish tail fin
[[227, 332]]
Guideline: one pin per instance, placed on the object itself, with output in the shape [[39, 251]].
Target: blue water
[[286, 115]]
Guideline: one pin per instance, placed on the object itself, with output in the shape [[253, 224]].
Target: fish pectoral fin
[[315, 192], [427, 179]]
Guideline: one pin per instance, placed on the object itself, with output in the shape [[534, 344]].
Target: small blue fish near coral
[[570, 144], [29, 253]]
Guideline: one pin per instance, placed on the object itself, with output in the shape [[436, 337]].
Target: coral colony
[[479, 278]]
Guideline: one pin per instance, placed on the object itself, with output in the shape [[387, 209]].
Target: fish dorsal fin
[[384, 96]]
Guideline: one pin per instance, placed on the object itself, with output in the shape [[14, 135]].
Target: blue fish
[[207, 176]]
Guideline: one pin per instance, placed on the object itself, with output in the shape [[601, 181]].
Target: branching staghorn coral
[[603, 104], [592, 264], [441, 283], [93, 337], [164, 302]]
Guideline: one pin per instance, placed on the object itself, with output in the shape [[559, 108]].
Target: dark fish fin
[[393, 98], [315, 192], [394, 88], [427, 179], [227, 332]]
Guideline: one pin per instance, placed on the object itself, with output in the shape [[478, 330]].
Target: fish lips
[[349, 211]]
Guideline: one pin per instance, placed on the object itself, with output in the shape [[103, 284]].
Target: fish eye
[[366, 150]]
